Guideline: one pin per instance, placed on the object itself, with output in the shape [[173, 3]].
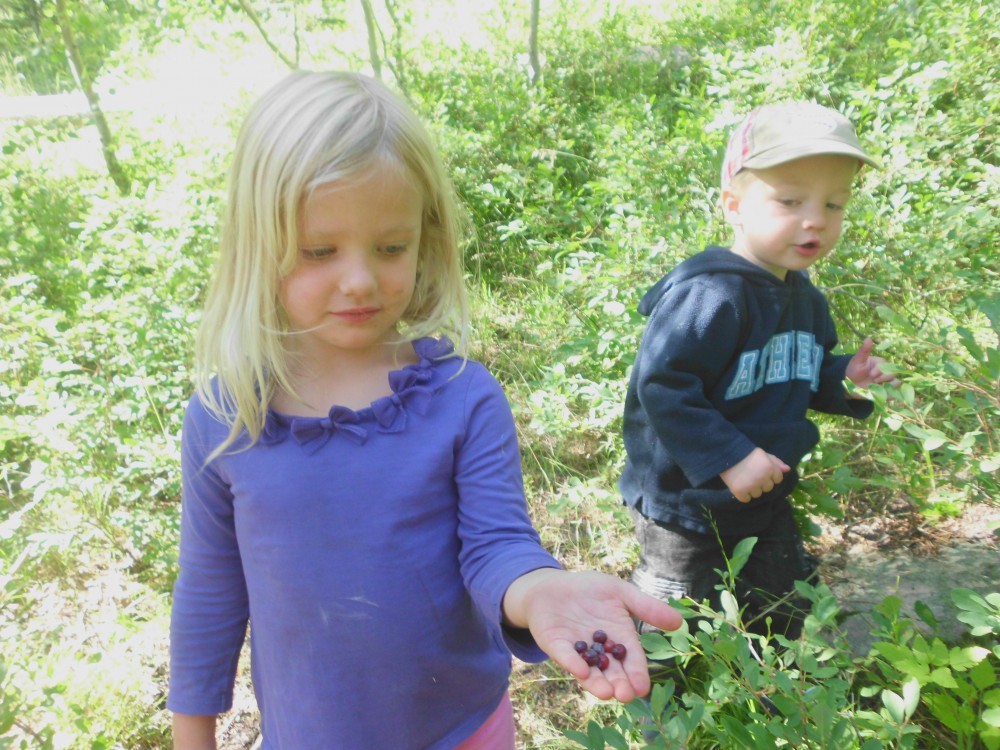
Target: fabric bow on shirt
[[413, 388], [409, 392], [340, 419]]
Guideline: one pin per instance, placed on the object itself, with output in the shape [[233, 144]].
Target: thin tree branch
[[395, 61], [115, 170], [373, 32], [255, 20]]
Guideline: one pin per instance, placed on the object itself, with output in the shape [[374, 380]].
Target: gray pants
[[675, 562]]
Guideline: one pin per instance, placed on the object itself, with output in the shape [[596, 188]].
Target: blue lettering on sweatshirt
[[792, 355]]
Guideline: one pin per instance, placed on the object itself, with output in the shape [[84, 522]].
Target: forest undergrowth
[[584, 183]]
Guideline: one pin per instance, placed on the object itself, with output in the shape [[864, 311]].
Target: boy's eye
[[835, 206], [788, 202]]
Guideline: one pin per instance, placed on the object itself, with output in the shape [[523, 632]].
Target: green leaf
[[983, 675], [660, 696], [741, 553], [926, 614], [738, 733], [657, 646], [614, 738], [729, 606], [966, 658], [967, 599], [991, 716], [895, 706], [578, 737], [911, 697], [896, 320], [907, 661], [930, 438], [942, 676], [595, 736], [945, 709]]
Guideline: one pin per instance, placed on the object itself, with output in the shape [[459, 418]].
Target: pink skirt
[[496, 733]]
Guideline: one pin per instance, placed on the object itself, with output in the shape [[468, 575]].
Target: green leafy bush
[[727, 687], [582, 191]]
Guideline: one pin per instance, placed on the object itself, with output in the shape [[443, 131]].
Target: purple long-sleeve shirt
[[370, 551]]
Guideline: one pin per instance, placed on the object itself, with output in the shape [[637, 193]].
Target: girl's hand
[[865, 370], [561, 607]]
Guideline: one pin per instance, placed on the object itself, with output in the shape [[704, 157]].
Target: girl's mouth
[[808, 248], [357, 315]]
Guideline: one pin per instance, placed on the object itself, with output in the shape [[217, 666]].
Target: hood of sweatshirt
[[714, 259]]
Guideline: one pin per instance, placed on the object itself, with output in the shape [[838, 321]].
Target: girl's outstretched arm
[[561, 607], [194, 732]]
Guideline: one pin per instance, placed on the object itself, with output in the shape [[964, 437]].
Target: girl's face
[[357, 268], [789, 216]]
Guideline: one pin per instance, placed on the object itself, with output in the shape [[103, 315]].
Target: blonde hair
[[312, 129]]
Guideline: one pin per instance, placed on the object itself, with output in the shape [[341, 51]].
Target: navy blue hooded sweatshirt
[[732, 359]]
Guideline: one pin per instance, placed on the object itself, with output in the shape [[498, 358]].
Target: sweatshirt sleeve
[[831, 395], [692, 332], [210, 610], [498, 542]]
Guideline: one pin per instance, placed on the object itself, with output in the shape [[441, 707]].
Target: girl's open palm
[[561, 608]]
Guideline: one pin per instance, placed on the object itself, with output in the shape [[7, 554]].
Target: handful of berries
[[596, 654]]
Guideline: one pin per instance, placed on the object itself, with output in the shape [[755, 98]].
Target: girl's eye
[[317, 253], [835, 206], [394, 249], [790, 202]]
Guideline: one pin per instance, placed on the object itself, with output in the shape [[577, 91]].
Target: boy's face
[[789, 216]]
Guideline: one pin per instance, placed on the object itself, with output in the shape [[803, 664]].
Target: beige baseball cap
[[777, 133]]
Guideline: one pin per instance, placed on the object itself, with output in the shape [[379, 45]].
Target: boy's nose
[[814, 218]]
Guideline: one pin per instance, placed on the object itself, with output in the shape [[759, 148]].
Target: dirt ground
[[900, 554]]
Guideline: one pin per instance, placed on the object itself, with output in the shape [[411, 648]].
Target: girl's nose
[[357, 276]]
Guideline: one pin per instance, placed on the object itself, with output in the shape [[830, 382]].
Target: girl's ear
[[731, 207]]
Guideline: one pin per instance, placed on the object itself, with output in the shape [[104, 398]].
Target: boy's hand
[[561, 607], [756, 474], [865, 370]]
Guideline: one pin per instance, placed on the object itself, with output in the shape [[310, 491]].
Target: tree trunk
[[536, 67], [115, 170]]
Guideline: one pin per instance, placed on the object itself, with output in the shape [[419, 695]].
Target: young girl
[[352, 482]]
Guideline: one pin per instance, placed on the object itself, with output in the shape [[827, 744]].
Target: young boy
[[739, 346]]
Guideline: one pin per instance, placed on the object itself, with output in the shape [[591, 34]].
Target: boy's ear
[[731, 207]]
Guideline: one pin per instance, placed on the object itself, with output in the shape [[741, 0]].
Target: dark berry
[[580, 646], [608, 646], [599, 648], [603, 662], [600, 636], [592, 657], [618, 651]]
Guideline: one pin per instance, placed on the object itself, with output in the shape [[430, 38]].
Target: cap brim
[[775, 156]]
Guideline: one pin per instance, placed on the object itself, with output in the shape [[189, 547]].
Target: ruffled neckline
[[413, 386]]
